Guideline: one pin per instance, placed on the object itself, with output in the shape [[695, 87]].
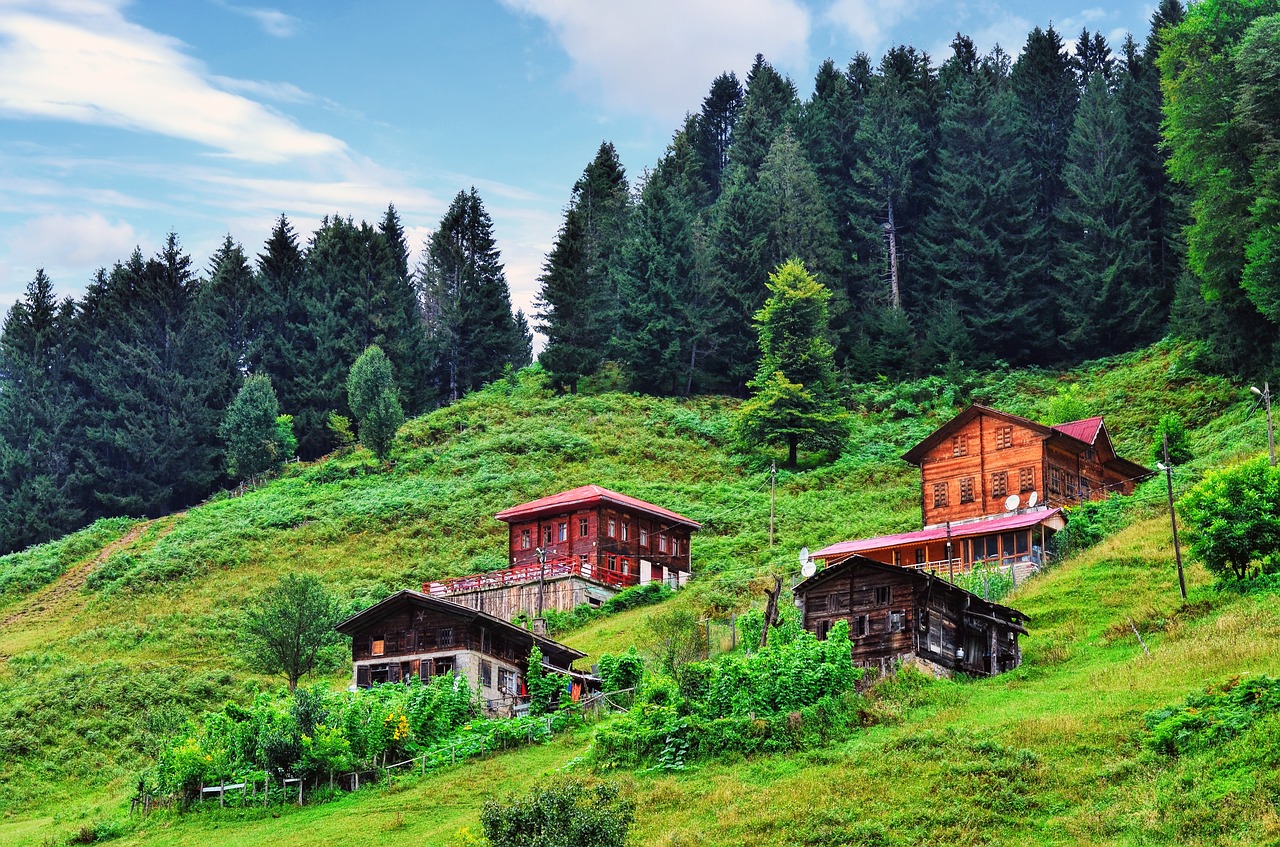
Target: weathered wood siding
[[985, 457], [562, 594], [611, 539]]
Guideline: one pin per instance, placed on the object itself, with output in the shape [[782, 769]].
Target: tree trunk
[[793, 444]]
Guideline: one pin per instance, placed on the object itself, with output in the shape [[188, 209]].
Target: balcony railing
[[523, 574]]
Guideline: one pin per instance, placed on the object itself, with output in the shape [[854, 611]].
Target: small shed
[[897, 613], [411, 634]]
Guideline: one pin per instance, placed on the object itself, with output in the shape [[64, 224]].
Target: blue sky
[[121, 121]]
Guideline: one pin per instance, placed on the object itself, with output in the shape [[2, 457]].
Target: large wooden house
[[992, 490], [903, 614], [579, 546], [411, 634]]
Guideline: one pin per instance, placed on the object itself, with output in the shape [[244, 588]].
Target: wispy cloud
[[870, 22], [273, 21], [660, 56], [80, 60]]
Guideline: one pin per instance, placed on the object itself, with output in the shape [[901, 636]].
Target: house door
[[646, 571]]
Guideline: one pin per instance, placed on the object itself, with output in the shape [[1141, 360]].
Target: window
[[966, 490], [897, 557], [445, 635], [960, 445], [1000, 484], [662, 543], [1004, 437], [626, 530], [939, 495], [377, 646], [1055, 480], [445, 665], [486, 674], [644, 537], [613, 527], [859, 626], [1026, 480], [897, 621], [525, 542], [626, 565], [562, 531], [919, 555], [1070, 486], [613, 563], [822, 629], [882, 595], [1085, 489], [546, 536], [584, 527], [507, 681]]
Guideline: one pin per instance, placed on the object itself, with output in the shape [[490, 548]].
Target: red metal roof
[[1004, 523], [590, 495], [1085, 430]]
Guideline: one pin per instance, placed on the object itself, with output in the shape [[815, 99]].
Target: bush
[[1233, 518], [566, 813], [1220, 713]]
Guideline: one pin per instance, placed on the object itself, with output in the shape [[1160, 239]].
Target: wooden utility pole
[[1173, 518], [542, 576]]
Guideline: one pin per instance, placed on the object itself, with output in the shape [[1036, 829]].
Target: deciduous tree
[[286, 627]]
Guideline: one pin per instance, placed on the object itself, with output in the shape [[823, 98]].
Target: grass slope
[[97, 672]]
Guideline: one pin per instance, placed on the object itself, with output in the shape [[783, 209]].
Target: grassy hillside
[[112, 638]]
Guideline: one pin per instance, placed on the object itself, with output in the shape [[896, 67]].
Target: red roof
[[1004, 523], [1085, 430], [586, 496]]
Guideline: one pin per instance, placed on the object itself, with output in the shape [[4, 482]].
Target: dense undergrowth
[[106, 672]]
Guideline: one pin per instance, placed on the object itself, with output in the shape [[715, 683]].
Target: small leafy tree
[[568, 813], [795, 386], [1233, 518], [288, 625], [288, 442], [371, 394], [251, 430], [544, 688]]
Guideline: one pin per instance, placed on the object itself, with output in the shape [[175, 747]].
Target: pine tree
[[39, 413], [1092, 56], [979, 244], [1107, 305], [769, 104], [284, 315], [577, 303], [665, 333], [795, 387], [1044, 83], [471, 334], [713, 130]]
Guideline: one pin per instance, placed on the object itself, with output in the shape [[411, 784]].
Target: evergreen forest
[[965, 212]]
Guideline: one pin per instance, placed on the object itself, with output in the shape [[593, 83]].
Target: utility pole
[[1173, 518], [951, 566], [1265, 394], [773, 495], [542, 575]]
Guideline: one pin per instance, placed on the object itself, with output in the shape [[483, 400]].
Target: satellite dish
[[1011, 502], [804, 555], [1032, 499], [808, 569]]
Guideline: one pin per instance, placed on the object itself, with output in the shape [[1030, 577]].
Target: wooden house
[[905, 614], [411, 634], [579, 546], [992, 491]]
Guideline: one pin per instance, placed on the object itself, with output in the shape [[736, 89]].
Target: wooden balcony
[[558, 568]]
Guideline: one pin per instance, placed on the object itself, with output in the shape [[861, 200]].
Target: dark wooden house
[[905, 614], [578, 546], [411, 634]]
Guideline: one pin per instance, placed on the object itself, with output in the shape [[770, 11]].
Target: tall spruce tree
[[665, 333], [577, 304], [39, 416], [979, 243], [1044, 83], [471, 333], [712, 131], [145, 365], [1107, 303]]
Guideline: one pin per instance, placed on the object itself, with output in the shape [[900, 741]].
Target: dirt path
[[73, 579]]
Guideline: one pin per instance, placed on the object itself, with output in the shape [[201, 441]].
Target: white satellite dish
[[1032, 499], [804, 555], [1011, 502], [808, 569]]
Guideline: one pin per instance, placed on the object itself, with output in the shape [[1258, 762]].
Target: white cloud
[[869, 21], [82, 61], [68, 246], [660, 56]]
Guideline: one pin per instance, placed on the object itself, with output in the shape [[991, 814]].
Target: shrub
[[1233, 518], [566, 813], [1220, 713]]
